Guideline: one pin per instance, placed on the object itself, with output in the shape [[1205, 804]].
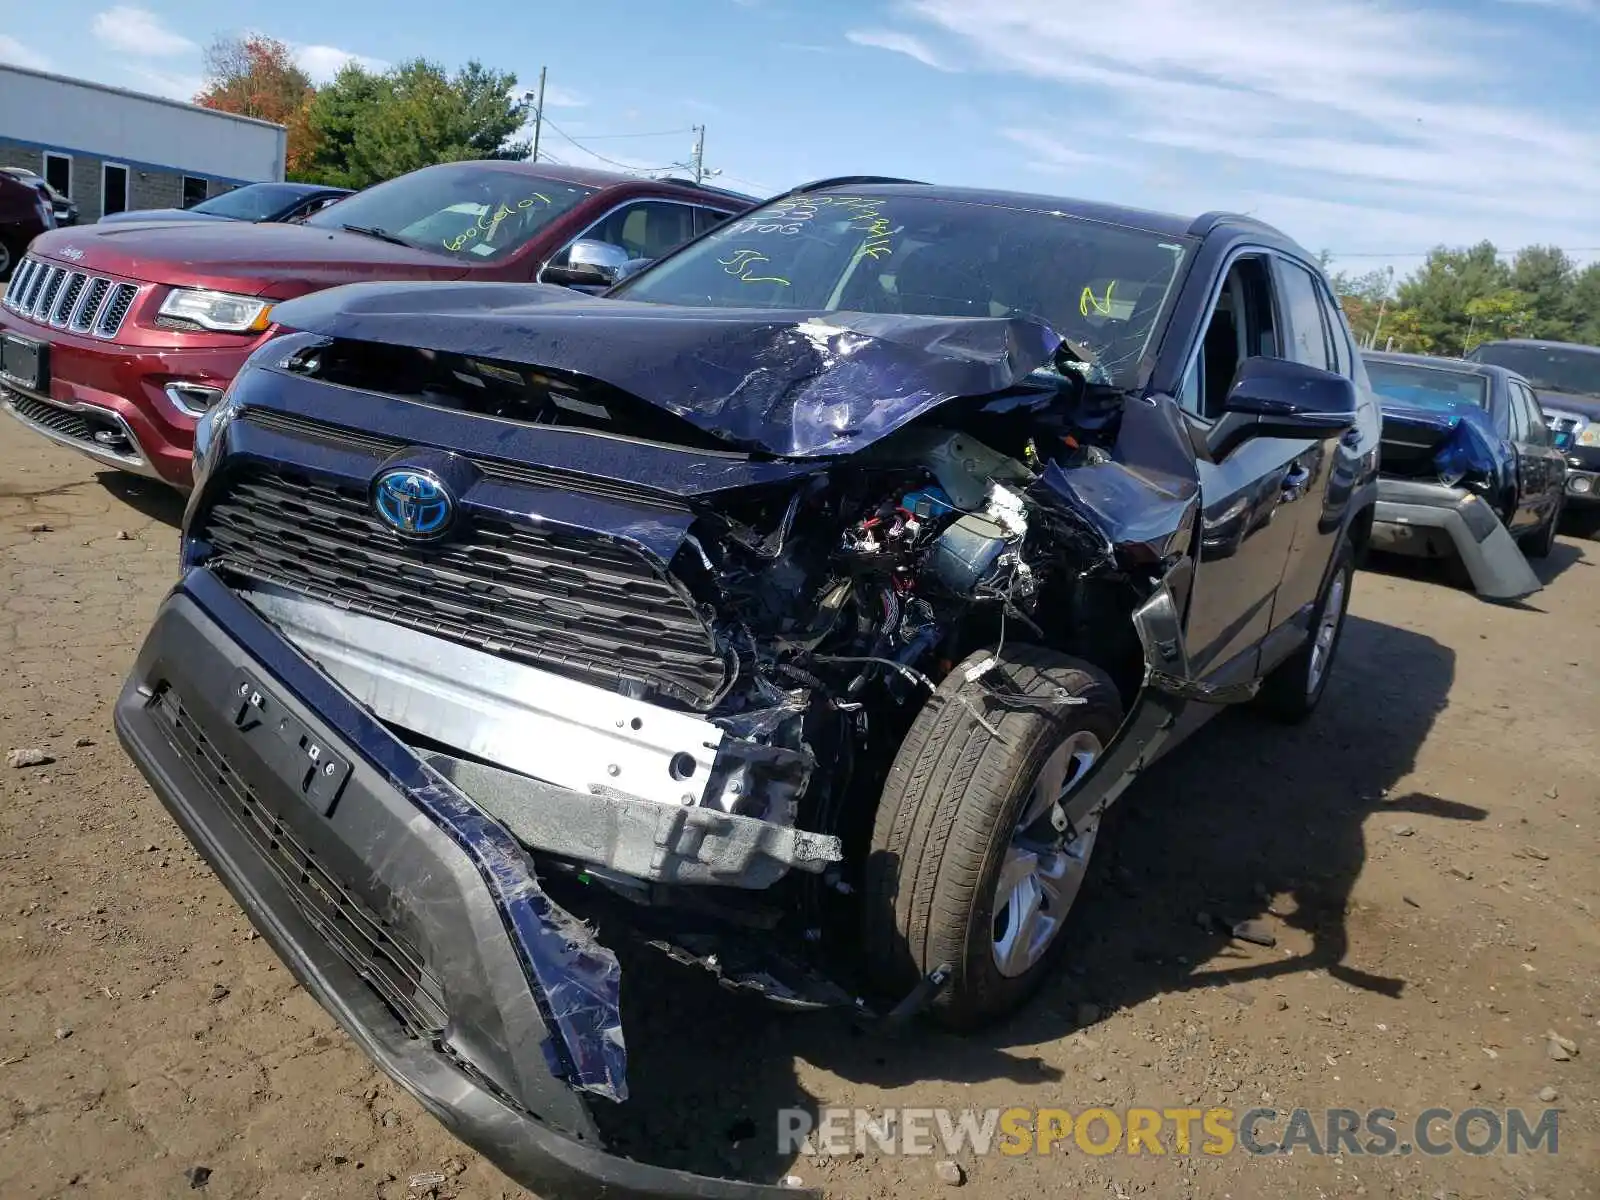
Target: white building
[[110, 149]]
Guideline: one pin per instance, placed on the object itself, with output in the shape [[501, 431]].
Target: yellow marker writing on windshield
[[740, 262], [1088, 300]]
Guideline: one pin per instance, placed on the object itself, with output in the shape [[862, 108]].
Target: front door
[[1244, 538]]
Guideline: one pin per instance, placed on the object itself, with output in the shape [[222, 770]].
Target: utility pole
[[699, 163], [538, 115]]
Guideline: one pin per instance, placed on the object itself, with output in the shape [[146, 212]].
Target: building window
[[194, 191], [113, 188], [58, 172]]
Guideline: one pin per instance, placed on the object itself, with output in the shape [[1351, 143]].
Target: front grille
[[377, 951], [307, 428], [581, 603], [69, 299]]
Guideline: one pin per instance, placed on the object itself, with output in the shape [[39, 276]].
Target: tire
[[1585, 521], [1541, 542], [1294, 688], [8, 260], [944, 829]]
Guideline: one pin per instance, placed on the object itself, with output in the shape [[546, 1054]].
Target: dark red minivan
[[115, 339]]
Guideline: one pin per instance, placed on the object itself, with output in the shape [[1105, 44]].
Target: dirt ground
[[1424, 853]]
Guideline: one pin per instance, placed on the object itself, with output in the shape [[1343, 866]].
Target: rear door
[[1541, 470]]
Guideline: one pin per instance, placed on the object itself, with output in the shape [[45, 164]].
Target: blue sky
[[1373, 128]]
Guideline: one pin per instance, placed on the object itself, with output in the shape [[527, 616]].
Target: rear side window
[[1308, 331]]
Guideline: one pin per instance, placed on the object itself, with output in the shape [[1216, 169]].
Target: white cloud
[[322, 63], [139, 31], [13, 51], [898, 43], [1361, 105], [560, 97], [1050, 153], [175, 85]]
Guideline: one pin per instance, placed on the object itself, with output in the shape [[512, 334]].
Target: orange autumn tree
[[256, 76]]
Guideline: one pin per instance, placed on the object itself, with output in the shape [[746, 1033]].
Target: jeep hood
[[254, 259], [789, 383], [1572, 402]]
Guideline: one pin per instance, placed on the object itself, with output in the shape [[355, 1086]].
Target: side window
[[708, 218], [645, 229], [1538, 430], [1519, 414], [1302, 307], [1338, 333], [1242, 325]]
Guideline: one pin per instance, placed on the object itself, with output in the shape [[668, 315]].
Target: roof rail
[[841, 180], [705, 187], [1206, 222]]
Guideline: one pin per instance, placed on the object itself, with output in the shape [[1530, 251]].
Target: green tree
[[1439, 291], [1546, 275], [373, 127], [1502, 314], [1586, 305]]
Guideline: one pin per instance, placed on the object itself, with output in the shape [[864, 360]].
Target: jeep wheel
[[966, 865], [1293, 690], [7, 260]]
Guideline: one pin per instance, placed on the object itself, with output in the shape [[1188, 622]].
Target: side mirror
[[1276, 397], [589, 262]]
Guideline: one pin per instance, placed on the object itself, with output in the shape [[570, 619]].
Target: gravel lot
[[1424, 854]]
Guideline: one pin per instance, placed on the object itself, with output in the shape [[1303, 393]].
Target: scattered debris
[[63, 1033], [1535, 853], [38, 527], [1401, 831], [1410, 901], [389, 1119], [124, 536], [1553, 792], [1282, 1005], [1459, 871], [1560, 1048], [453, 1167], [950, 1173], [28, 756], [1257, 932], [198, 1177], [424, 1180], [218, 992], [80, 743], [1547, 1094], [1097, 1075], [793, 1181]]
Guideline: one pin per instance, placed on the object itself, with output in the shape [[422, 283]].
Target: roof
[[1542, 344], [595, 178], [297, 189], [107, 88], [1161, 223], [1460, 366]]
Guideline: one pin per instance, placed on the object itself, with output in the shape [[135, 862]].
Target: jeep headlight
[[220, 312]]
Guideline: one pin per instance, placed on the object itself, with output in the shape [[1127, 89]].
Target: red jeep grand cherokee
[[114, 339]]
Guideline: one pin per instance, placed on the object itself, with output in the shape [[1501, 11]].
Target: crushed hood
[[791, 383]]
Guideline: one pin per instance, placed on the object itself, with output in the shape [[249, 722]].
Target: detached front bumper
[[1430, 520], [415, 921]]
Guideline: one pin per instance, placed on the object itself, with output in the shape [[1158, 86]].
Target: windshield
[[1428, 387], [258, 202], [1102, 287], [463, 210], [1548, 368]]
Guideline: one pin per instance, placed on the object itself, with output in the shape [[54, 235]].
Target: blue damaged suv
[[807, 598]]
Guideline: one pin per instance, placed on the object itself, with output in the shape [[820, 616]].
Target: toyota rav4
[[809, 597]]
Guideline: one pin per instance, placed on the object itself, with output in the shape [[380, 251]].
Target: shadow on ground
[[145, 496], [1246, 814]]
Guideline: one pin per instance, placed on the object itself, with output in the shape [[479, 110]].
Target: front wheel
[[1293, 690], [8, 259], [968, 864]]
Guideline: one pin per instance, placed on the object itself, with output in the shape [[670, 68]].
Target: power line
[[597, 137], [1426, 253], [611, 161]]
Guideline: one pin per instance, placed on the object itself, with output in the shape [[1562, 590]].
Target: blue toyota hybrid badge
[[413, 503]]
